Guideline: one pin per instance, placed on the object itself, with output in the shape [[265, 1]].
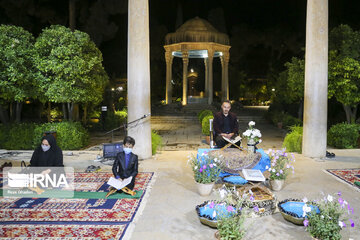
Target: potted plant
[[281, 165], [206, 168], [333, 217], [252, 136]]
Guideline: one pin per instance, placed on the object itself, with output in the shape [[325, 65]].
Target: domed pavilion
[[197, 38]]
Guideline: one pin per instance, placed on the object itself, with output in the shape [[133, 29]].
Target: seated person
[[48, 154], [126, 163], [225, 125]]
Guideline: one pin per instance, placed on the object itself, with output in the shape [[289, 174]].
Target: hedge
[[293, 140], [343, 135], [205, 125], [203, 114], [27, 136], [156, 142]]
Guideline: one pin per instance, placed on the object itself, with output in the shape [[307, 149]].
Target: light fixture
[[191, 70], [273, 89]]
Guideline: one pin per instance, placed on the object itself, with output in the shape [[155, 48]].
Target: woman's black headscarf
[[52, 157]]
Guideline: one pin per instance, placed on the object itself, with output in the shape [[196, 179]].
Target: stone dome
[[197, 30]]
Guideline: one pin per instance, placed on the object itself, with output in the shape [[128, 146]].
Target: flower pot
[[277, 184], [205, 188], [207, 139]]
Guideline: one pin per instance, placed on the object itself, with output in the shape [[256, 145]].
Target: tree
[[344, 69], [18, 74], [72, 67], [295, 82], [344, 83]]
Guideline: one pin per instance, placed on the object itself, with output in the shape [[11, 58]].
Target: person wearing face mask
[[126, 162], [48, 154]]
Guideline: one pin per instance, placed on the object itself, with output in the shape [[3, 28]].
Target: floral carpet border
[[347, 175]]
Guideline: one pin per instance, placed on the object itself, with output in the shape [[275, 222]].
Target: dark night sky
[[264, 34]]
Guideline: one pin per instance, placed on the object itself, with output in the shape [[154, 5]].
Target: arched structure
[[197, 38]]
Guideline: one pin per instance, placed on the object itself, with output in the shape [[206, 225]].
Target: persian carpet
[[84, 218], [349, 176]]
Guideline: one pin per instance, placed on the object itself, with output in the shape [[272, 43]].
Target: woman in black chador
[[48, 154]]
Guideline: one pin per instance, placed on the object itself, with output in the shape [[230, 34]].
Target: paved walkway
[[170, 208]]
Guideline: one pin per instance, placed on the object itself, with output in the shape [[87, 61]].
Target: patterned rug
[[39, 218], [350, 176]]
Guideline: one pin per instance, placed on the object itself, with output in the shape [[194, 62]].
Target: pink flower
[[256, 208], [211, 165], [204, 167], [229, 209], [200, 170], [252, 198], [339, 193], [281, 171], [212, 205], [306, 222]]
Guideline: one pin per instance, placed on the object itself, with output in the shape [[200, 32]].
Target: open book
[[118, 183], [233, 141], [253, 175]]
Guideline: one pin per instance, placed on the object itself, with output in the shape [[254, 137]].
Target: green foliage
[[326, 224], [204, 113], [4, 133], [281, 164], [293, 140], [206, 168], [71, 65], [18, 75], [115, 119], [56, 113], [205, 125], [344, 135], [231, 228], [20, 136], [286, 119], [296, 79], [70, 135], [156, 142]]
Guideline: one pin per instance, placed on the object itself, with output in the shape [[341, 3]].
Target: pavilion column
[[316, 79], [223, 91], [206, 77], [210, 75], [169, 59], [226, 75], [185, 58], [139, 76]]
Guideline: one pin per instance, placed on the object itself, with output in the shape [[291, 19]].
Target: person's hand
[[117, 177], [230, 135]]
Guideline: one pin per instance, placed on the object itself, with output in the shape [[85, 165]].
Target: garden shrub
[[289, 121], [156, 142], [293, 140], [204, 113], [115, 119], [205, 125], [20, 136], [69, 135], [343, 135]]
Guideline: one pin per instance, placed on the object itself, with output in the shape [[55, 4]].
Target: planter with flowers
[[281, 165], [252, 136], [335, 214], [206, 168]]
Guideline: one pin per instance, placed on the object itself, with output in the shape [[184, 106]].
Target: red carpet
[[349, 176], [39, 218]]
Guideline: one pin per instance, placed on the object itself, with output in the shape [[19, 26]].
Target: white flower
[[214, 164], [305, 200], [196, 167], [251, 123], [267, 167], [214, 214], [330, 198], [251, 193], [215, 159], [322, 216], [273, 170], [260, 140], [222, 193], [306, 209], [342, 224]]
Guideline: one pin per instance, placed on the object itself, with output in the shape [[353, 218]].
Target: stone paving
[[169, 212]]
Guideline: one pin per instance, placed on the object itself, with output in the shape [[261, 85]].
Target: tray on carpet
[[236, 160]]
